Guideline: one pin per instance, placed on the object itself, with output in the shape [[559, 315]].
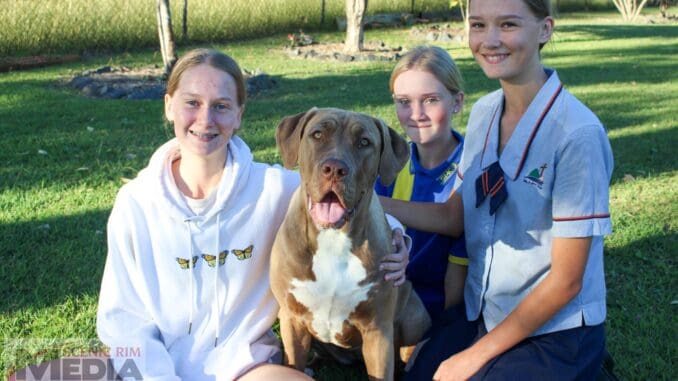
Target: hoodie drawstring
[[190, 276], [216, 285], [216, 308]]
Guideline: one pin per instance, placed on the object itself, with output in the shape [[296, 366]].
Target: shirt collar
[[415, 166], [515, 152]]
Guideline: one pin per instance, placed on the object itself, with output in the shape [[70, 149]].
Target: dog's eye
[[317, 135], [364, 142]]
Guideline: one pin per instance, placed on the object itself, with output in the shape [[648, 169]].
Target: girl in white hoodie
[[185, 293]]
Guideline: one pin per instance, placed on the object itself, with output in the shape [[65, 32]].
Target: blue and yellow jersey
[[430, 252]]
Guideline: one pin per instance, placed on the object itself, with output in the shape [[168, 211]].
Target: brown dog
[[325, 259]]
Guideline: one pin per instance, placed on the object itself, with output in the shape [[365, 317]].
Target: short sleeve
[[383, 190], [582, 183]]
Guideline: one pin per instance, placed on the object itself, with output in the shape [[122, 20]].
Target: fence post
[[322, 12]]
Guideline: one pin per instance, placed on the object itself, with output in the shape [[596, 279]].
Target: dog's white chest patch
[[335, 293]]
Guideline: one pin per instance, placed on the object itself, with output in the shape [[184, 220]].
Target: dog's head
[[340, 153]]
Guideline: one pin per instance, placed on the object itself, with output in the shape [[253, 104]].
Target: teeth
[[203, 136], [495, 58]]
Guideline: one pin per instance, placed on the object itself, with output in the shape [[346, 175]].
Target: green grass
[[54, 206], [73, 26], [29, 27]]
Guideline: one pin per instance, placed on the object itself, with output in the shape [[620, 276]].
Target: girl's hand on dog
[[396, 263]]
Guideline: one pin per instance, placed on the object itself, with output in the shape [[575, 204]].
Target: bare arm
[[562, 284], [444, 218], [455, 278]]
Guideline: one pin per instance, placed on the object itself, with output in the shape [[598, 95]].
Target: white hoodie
[[152, 294]]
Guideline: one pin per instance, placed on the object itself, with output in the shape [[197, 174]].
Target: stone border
[[122, 82]]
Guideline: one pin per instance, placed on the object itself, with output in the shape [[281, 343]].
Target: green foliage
[[64, 157]]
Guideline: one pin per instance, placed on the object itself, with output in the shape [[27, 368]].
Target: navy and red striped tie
[[491, 182]]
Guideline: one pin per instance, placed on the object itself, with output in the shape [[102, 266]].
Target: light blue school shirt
[[557, 165]]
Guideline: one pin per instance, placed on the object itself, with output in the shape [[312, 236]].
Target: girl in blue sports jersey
[[532, 198], [427, 91]]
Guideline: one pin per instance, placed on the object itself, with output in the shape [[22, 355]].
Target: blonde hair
[[214, 58], [431, 59]]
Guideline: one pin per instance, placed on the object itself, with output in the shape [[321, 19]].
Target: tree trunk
[[166, 35], [629, 9], [184, 22], [463, 6], [355, 14]]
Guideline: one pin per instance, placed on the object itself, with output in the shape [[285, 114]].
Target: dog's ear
[[288, 136], [394, 153]]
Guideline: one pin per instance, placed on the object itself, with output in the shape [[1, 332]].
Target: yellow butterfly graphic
[[212, 259], [183, 263], [243, 254]]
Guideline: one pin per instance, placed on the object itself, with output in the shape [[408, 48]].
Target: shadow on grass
[[648, 154], [46, 261], [610, 66], [609, 32]]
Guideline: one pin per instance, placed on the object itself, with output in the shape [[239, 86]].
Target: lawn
[[65, 156]]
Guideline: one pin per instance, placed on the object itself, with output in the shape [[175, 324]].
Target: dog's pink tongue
[[327, 212]]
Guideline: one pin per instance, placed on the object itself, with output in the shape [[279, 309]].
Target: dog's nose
[[334, 168]]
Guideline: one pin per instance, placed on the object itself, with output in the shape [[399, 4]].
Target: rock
[[91, 90], [445, 37], [260, 83], [114, 93], [104, 69], [152, 92], [343, 57], [80, 81]]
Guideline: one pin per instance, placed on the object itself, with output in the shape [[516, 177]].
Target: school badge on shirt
[[536, 176], [445, 176]]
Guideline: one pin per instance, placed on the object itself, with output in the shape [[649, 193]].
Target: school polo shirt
[[557, 167], [430, 252]]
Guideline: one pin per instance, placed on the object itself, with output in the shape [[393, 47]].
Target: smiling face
[[505, 36], [204, 110], [424, 106]]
